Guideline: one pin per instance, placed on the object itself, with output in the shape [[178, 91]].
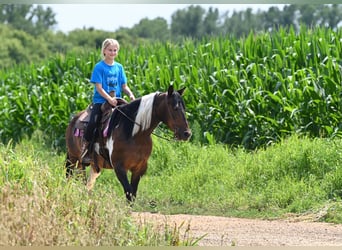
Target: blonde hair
[[106, 43]]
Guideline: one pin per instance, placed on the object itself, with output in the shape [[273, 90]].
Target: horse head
[[175, 118]]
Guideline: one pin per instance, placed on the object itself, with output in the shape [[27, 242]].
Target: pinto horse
[[128, 143]]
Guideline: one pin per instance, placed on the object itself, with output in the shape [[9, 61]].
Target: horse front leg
[[134, 183], [135, 179], [121, 173]]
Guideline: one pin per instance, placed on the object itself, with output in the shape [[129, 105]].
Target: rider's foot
[[86, 159]]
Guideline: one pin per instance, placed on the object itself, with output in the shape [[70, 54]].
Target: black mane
[[125, 116]]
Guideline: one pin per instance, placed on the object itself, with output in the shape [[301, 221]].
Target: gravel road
[[223, 231]]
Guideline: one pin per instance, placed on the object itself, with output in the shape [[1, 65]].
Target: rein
[[130, 119]]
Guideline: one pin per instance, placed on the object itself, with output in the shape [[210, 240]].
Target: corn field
[[250, 92]]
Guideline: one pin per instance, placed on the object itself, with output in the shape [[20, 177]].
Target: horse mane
[[143, 118], [134, 116]]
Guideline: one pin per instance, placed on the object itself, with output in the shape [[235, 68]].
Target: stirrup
[[84, 153]]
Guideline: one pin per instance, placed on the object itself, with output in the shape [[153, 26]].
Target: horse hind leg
[[93, 174], [95, 170], [74, 167], [69, 166]]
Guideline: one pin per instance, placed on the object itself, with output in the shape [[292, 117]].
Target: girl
[[110, 80]]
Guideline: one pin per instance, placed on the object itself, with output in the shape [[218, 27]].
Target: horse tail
[[71, 146]]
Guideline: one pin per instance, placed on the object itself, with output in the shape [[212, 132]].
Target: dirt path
[[222, 231]]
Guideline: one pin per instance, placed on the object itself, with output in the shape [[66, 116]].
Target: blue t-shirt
[[112, 77]]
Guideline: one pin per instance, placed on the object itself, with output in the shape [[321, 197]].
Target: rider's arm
[[112, 100], [128, 91]]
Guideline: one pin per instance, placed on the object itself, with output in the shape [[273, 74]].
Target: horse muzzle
[[183, 135]]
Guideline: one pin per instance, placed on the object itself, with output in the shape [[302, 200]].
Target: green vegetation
[[40, 207], [250, 92], [266, 121], [298, 175], [28, 34]]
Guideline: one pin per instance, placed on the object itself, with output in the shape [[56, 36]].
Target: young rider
[[108, 75]]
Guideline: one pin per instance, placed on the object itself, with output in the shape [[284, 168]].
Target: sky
[[110, 17]]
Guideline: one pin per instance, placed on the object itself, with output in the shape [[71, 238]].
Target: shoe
[[85, 160]]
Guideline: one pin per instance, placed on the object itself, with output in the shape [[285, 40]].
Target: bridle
[[133, 121]]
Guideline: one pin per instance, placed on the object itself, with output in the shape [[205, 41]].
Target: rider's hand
[[112, 101]]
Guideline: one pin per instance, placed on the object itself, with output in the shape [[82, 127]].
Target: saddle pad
[[83, 120]]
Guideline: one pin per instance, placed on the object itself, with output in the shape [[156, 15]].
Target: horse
[[128, 144]]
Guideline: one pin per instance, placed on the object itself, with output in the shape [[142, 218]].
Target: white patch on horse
[[144, 114], [110, 147], [97, 148]]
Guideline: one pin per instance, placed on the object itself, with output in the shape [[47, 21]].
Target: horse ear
[[181, 91], [170, 90]]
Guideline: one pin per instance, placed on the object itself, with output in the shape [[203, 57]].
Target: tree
[[156, 29], [307, 14], [272, 18], [289, 16], [30, 18], [19, 47], [210, 23], [329, 16], [241, 23], [188, 22]]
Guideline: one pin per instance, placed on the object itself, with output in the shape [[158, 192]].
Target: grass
[[297, 176], [40, 208]]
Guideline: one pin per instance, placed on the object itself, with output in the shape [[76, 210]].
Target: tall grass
[[251, 91], [43, 97], [295, 176], [39, 207]]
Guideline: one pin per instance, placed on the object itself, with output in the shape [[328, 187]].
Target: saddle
[[107, 110]]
